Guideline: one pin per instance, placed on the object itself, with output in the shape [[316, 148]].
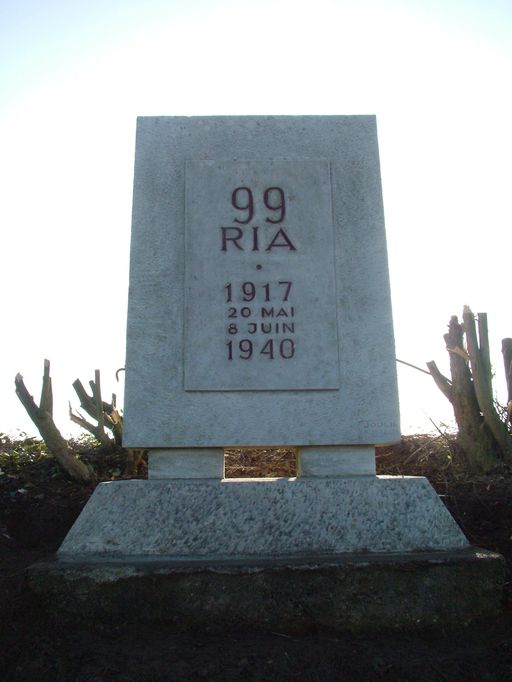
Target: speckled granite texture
[[254, 520]]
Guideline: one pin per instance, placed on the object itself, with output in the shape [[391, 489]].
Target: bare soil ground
[[38, 505]]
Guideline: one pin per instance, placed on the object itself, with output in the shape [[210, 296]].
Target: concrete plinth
[[361, 592]]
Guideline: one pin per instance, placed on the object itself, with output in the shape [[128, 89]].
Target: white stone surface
[[328, 461], [260, 519], [191, 463], [159, 411]]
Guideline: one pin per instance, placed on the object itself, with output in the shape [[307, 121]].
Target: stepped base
[[356, 593], [287, 555]]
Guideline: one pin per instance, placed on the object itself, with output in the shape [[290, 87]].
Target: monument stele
[[259, 315]]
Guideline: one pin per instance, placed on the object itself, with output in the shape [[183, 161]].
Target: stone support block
[[336, 460], [186, 463]]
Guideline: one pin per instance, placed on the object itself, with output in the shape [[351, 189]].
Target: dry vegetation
[[260, 462]]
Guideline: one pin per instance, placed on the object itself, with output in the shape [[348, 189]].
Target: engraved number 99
[[243, 201]]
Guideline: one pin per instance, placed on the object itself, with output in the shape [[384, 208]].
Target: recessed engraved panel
[[260, 303]]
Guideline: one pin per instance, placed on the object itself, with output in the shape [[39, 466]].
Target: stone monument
[[259, 315]]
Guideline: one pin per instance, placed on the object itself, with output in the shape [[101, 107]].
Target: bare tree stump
[[475, 435], [479, 357], [42, 416]]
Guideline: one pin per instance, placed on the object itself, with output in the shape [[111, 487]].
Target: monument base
[[357, 593], [287, 555]]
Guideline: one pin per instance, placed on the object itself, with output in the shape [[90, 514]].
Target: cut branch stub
[[485, 354], [442, 382], [43, 420], [99, 405], [104, 413], [459, 368], [92, 428], [506, 349], [46, 401], [478, 351], [87, 402], [474, 436]]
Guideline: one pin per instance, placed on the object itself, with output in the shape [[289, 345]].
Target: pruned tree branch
[[478, 351], [46, 401], [106, 414], [470, 389], [99, 405], [484, 354], [43, 420], [88, 426], [28, 402], [87, 402], [444, 384]]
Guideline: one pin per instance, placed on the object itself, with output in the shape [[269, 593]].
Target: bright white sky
[[74, 75]]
